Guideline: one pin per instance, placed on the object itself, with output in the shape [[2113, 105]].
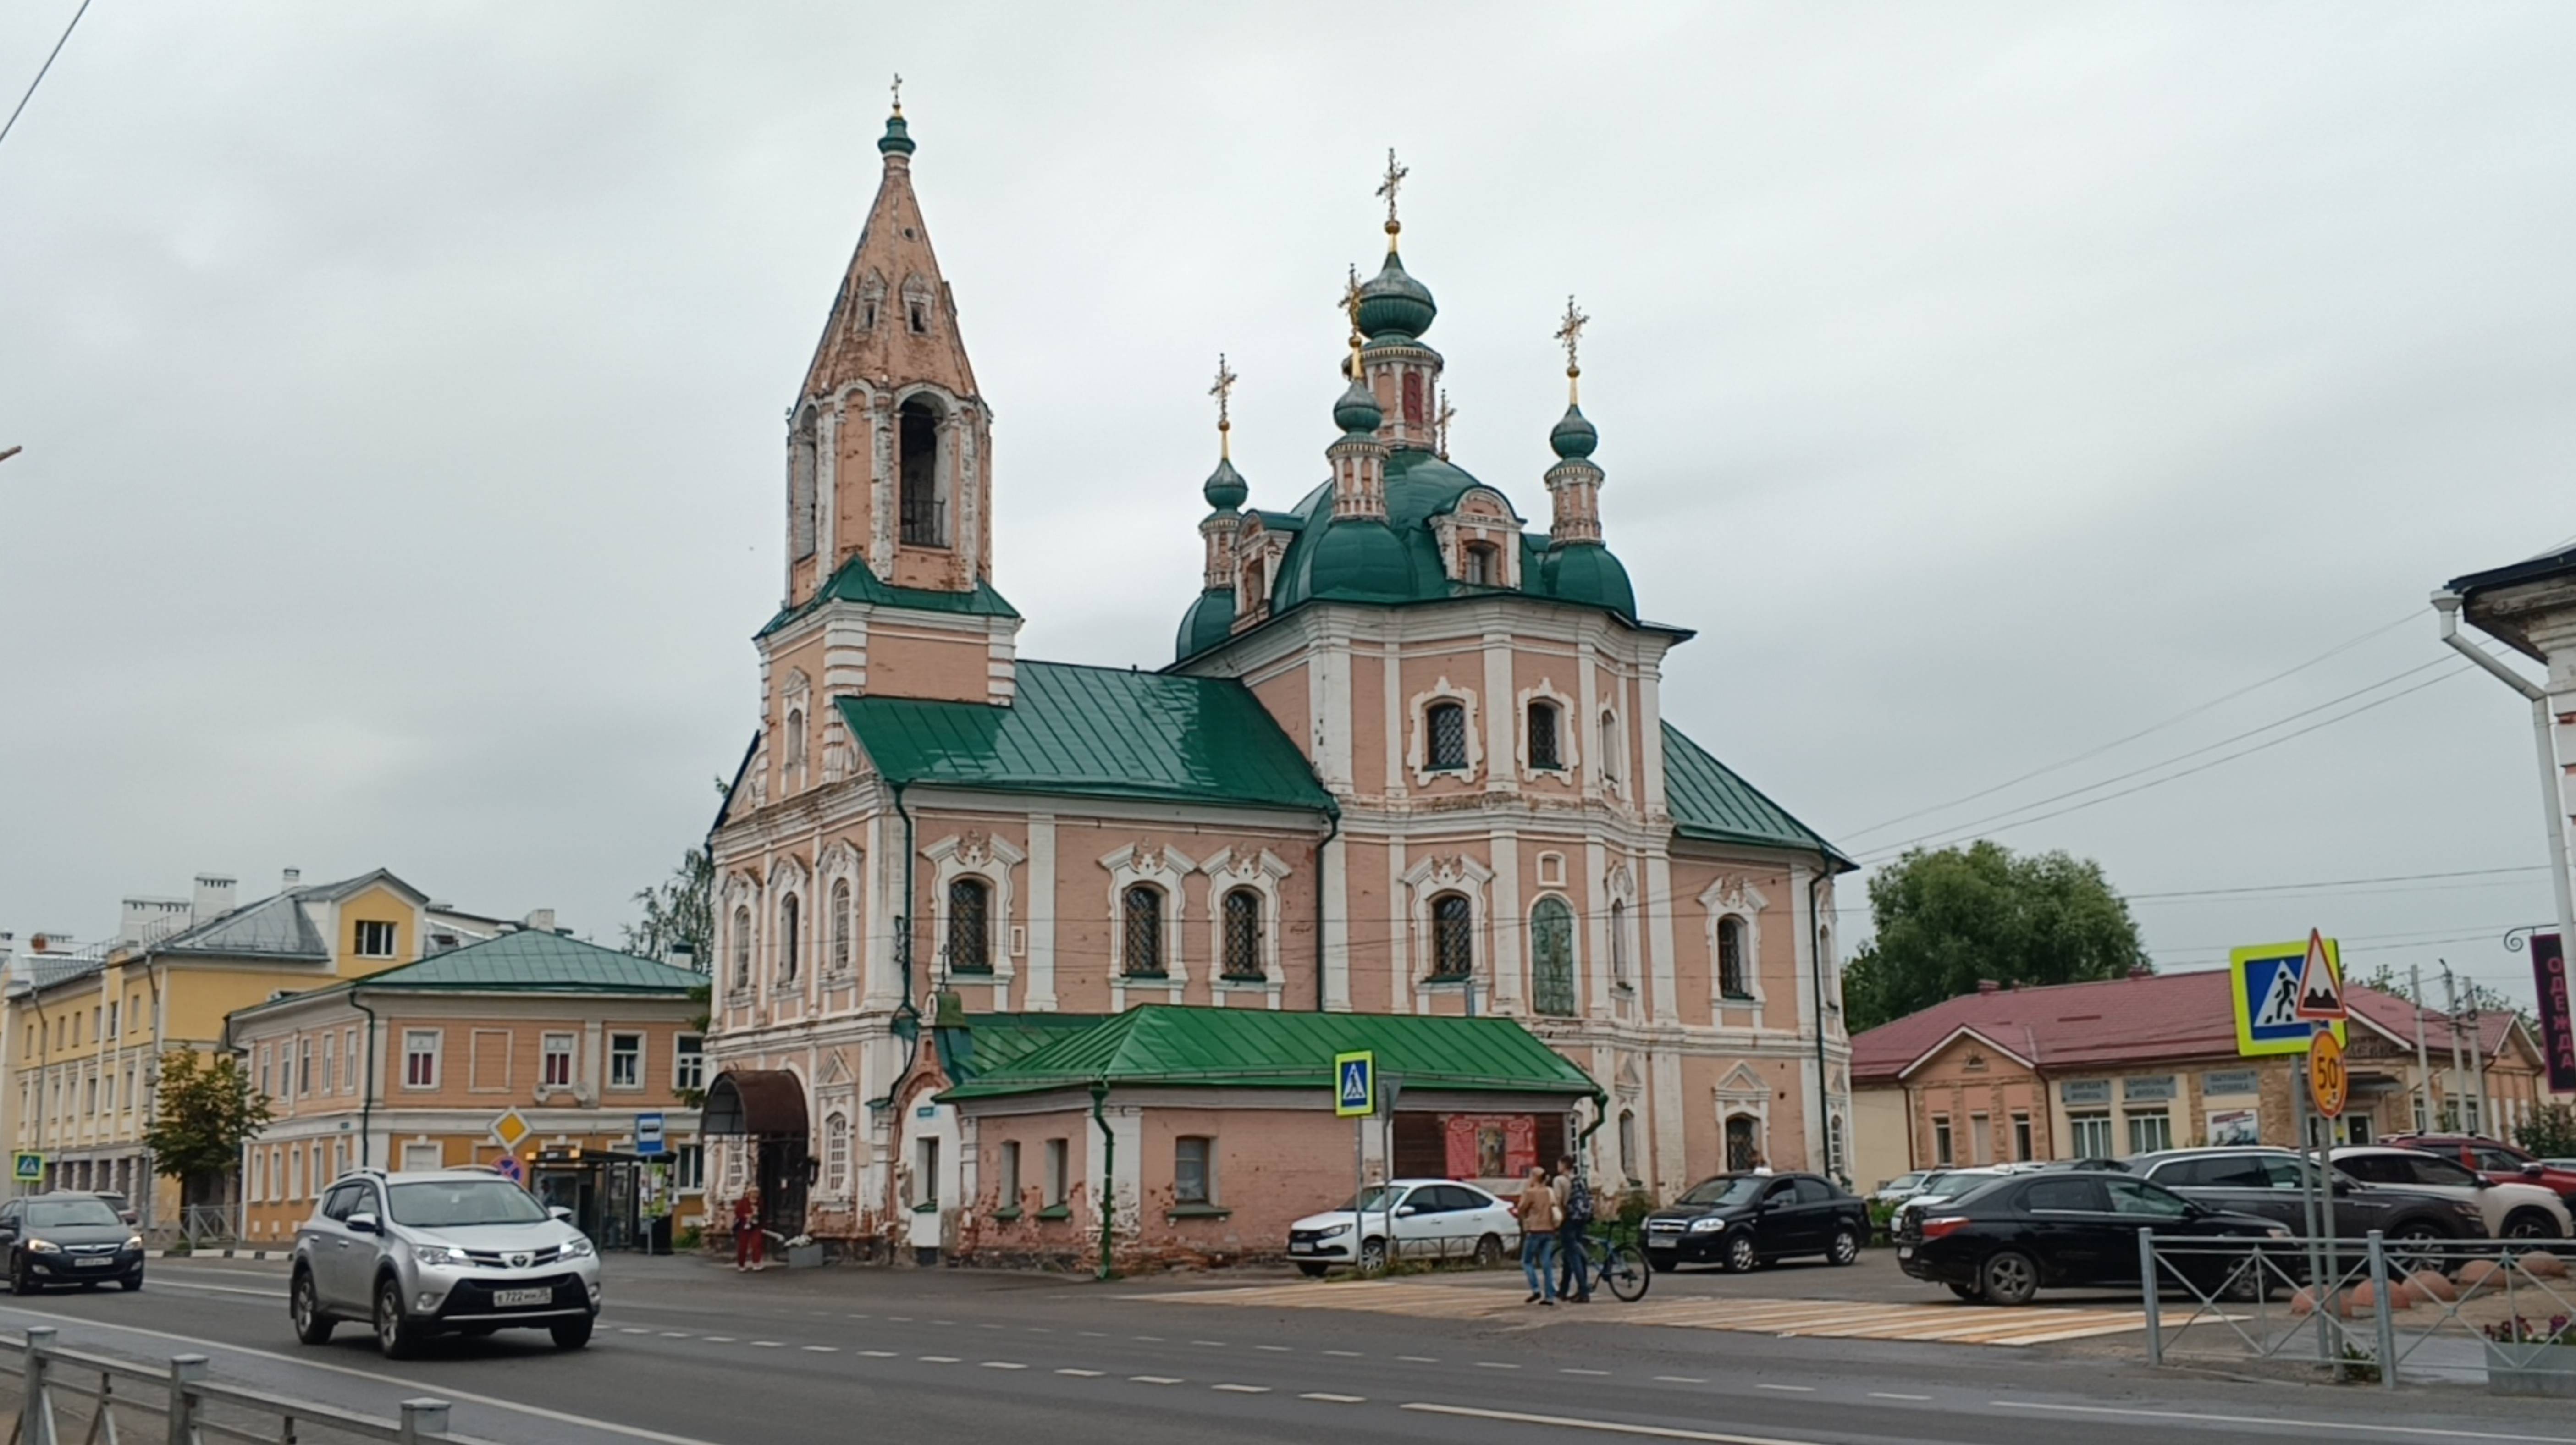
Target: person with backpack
[[1574, 1210], [1537, 1212]]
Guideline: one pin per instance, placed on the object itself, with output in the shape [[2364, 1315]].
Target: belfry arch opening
[[923, 510]]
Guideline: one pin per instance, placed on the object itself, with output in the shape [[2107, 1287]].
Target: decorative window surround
[[1569, 746], [1418, 751], [797, 728], [1429, 879], [1260, 872], [1166, 869], [1735, 897], [1743, 1093], [1551, 870], [841, 864], [1619, 936], [976, 855], [741, 896], [1481, 516], [787, 880], [1610, 758]]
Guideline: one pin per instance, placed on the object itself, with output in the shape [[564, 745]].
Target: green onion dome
[[1585, 573], [1209, 621], [1393, 301], [1225, 489], [897, 138], [1573, 436], [1357, 410]]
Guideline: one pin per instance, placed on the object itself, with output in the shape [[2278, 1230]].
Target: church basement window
[[1142, 906]]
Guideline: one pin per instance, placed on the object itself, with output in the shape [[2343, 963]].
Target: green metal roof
[[855, 583], [527, 961], [991, 1041], [1165, 1044], [1709, 801], [1097, 732]]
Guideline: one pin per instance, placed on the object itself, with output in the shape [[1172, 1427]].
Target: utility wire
[[1962, 830], [2191, 712], [41, 69], [2336, 883]]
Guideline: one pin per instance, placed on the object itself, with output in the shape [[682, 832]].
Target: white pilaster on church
[[1502, 768], [1662, 959], [1506, 932], [1039, 992], [1332, 865]]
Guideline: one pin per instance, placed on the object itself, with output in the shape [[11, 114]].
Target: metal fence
[[2422, 1309], [204, 1224], [56, 1383]]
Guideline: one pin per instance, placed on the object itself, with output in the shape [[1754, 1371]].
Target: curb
[[259, 1254]]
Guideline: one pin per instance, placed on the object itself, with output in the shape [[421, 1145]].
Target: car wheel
[[396, 1336], [1489, 1251], [2009, 1278], [2418, 1245], [21, 1281], [1969, 1292], [2530, 1224], [1741, 1256], [1846, 1248], [304, 1307], [1373, 1255], [571, 1334], [1310, 1269], [131, 1282], [1663, 1263]]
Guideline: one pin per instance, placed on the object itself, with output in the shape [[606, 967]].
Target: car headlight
[[2278, 1231], [44, 1246], [134, 1241], [436, 1255], [580, 1248], [1335, 1232], [1709, 1225]]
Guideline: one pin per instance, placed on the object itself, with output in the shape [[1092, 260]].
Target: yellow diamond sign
[[511, 1127]]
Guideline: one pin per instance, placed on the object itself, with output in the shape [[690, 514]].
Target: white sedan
[[2511, 1211], [1431, 1219]]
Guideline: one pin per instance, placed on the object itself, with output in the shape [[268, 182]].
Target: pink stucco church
[[1001, 943]]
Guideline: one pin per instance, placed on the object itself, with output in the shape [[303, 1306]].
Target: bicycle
[[1619, 1266]]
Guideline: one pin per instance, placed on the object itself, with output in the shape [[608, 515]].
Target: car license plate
[[1905, 1251], [515, 1298], [1301, 1247], [100, 1262]]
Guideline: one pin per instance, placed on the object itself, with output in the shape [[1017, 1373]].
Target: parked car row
[[2014, 1235], [1743, 1221]]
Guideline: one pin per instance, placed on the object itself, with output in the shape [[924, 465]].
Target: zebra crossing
[[1923, 1321]]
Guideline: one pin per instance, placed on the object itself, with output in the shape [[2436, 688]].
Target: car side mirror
[[362, 1224], [1407, 1212], [2534, 1172], [2481, 1181], [2342, 1187], [557, 1211], [129, 1216]]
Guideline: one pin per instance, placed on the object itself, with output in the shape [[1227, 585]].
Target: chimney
[[290, 879], [214, 897], [149, 920], [1988, 985], [539, 920], [682, 955]]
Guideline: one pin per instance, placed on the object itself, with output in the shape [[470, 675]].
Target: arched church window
[[1243, 936], [923, 514], [1453, 937], [1480, 565], [918, 314], [1255, 586], [1609, 750], [742, 948], [1628, 1143], [1552, 958], [789, 939], [970, 926], [1447, 722], [1413, 412], [1732, 980], [841, 925], [1543, 749], [801, 492], [1142, 922], [1619, 945], [795, 751]]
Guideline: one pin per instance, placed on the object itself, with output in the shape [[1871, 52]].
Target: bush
[[689, 1237], [2550, 1132], [1881, 1216]]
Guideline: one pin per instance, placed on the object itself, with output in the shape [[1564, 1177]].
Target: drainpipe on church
[[1107, 1191], [1816, 986], [367, 1086], [1332, 830]]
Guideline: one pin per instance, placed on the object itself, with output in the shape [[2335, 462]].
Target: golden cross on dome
[[898, 92], [1440, 422], [1569, 334], [1223, 391], [1387, 187]]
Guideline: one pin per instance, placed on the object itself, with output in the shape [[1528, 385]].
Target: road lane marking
[[1276, 1349], [856, 1316], [631, 1330], [1037, 1329], [824, 1349], [1794, 1389], [767, 1345], [881, 1354], [1702, 1380], [1094, 1334], [564, 1417], [1082, 1374], [1151, 1380], [1218, 1344], [1607, 1427], [1334, 1399], [2324, 1425], [1242, 1389], [1417, 1359], [1494, 1365], [1346, 1354], [900, 1319], [1890, 1395], [675, 1334], [938, 1359], [1004, 1365], [162, 1281], [1149, 1339], [719, 1339], [1570, 1370]]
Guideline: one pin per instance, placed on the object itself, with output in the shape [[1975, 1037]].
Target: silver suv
[[418, 1254]]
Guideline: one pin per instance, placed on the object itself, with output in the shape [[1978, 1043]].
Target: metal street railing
[[194, 1408], [2424, 1308]]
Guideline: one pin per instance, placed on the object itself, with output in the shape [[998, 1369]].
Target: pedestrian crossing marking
[[1927, 1321]]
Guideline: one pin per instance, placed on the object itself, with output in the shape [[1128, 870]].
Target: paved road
[[692, 1354]]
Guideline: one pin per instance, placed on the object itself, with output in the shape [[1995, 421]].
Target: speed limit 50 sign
[[2329, 1087]]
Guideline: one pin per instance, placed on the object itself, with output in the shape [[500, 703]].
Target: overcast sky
[[402, 394]]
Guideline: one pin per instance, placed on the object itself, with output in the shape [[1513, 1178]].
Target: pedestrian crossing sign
[[2265, 987], [1355, 1084], [27, 1168]]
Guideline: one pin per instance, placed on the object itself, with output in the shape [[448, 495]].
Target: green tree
[[1950, 918], [679, 913], [2550, 1132], [205, 1110]]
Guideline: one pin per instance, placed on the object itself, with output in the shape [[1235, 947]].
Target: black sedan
[[67, 1238], [2007, 1241], [1745, 1220]]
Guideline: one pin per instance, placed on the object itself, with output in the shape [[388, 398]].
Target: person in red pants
[[750, 1246]]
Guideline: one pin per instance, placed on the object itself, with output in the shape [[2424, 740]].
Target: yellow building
[[85, 1035]]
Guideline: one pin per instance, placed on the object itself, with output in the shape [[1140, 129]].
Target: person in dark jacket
[[1574, 1209]]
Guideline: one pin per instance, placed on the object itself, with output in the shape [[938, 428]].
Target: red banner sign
[[2557, 1032]]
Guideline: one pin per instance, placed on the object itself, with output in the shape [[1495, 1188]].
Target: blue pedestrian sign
[[648, 1135], [1355, 1084], [2266, 995], [28, 1167]]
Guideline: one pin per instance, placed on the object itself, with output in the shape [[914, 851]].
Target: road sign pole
[[1359, 1186], [2308, 1215]]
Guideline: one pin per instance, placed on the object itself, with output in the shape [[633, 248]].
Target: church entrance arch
[[765, 1109]]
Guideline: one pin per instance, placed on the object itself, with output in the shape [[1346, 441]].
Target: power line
[[2191, 712], [2337, 883], [41, 69], [1965, 830]]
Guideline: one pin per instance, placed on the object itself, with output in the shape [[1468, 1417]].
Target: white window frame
[[990, 859], [1734, 896], [1258, 872], [548, 1051], [635, 1057], [435, 1052], [688, 1066], [689, 1168], [1156, 866], [1570, 749], [1418, 748], [371, 928]]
